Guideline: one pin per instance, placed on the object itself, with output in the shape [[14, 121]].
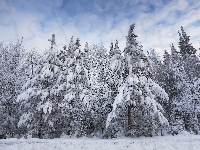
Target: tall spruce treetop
[[135, 59], [189, 58], [173, 50], [111, 50], [115, 58], [131, 40], [71, 48], [185, 46], [86, 49], [86, 56], [117, 50], [166, 57], [63, 54], [114, 50], [175, 56]]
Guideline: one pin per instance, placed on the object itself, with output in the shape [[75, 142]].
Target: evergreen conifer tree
[[136, 110], [12, 77], [39, 99], [75, 104]]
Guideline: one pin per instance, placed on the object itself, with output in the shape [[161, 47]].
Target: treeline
[[95, 92]]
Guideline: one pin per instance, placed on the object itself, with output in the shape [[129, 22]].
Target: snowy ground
[[180, 142]]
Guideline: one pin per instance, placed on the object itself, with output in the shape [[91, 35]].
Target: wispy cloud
[[157, 22]]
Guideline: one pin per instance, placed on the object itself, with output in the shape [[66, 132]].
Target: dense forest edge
[[95, 92]]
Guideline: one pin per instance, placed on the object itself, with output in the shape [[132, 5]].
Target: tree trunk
[[40, 127], [129, 117]]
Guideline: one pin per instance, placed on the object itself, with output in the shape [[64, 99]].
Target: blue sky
[[157, 22]]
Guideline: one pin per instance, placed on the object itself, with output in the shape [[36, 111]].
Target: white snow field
[[179, 142]]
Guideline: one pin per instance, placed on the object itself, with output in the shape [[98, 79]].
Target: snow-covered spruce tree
[[189, 58], [39, 99], [167, 81], [136, 110], [88, 63], [100, 92], [185, 46], [12, 77], [174, 80], [185, 105], [75, 105], [157, 70], [176, 83], [116, 67]]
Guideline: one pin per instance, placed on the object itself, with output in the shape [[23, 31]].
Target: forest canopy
[[95, 92]]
